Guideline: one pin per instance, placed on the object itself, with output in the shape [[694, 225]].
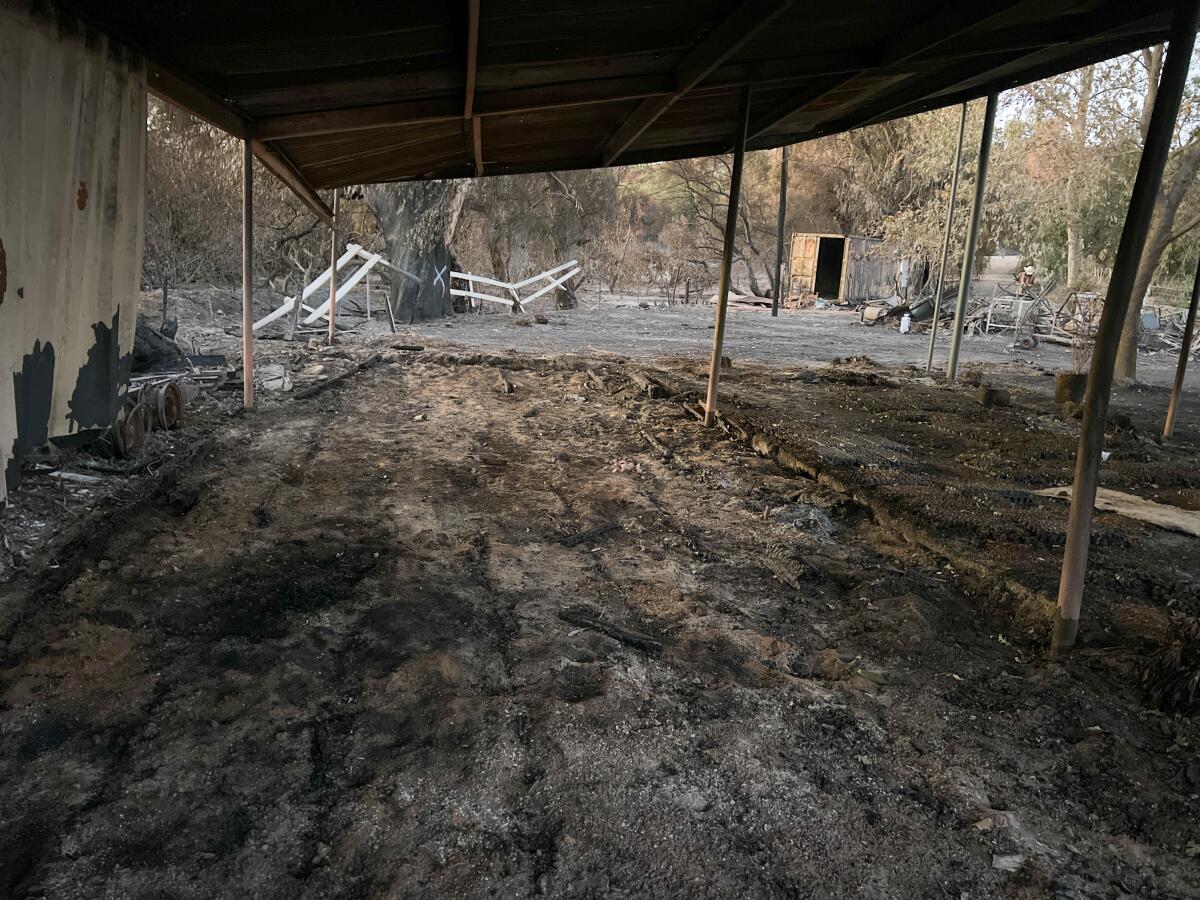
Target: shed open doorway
[[831, 251]]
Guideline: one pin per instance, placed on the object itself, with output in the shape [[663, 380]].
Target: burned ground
[[347, 662]]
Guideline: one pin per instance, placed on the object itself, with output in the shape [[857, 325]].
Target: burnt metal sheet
[[72, 149]]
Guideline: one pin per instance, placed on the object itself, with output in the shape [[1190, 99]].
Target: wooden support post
[[247, 275], [783, 179], [387, 304], [941, 277], [333, 257], [968, 265], [368, 296], [735, 190], [1116, 304], [1189, 331]]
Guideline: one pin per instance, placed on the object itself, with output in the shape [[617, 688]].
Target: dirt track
[[336, 664]]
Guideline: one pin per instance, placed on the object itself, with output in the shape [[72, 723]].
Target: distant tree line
[[1064, 158]]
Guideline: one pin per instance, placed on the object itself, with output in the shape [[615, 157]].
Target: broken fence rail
[[353, 252], [551, 276]]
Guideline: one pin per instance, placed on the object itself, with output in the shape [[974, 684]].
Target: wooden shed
[[843, 267]]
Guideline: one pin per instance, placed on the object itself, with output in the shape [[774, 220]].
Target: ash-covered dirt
[[339, 665]]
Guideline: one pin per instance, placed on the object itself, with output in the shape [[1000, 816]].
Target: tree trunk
[[1161, 227], [417, 221], [1152, 59], [1074, 248]]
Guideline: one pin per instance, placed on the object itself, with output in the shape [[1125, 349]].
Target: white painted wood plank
[[551, 286], [322, 311], [458, 292]]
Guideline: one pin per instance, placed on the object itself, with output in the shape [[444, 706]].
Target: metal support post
[[735, 190], [333, 258], [783, 184], [968, 264], [1189, 331], [247, 275], [1116, 304], [941, 276]]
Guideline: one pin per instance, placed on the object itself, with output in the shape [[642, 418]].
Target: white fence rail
[[545, 282], [353, 252]]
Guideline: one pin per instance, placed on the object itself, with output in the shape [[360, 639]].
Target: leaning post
[[783, 180], [1116, 304], [964, 282], [1189, 331], [247, 275], [333, 258], [735, 190], [941, 277]]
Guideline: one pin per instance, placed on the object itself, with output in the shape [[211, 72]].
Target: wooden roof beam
[[473, 129], [477, 144], [924, 36], [281, 167], [472, 56], [701, 61], [447, 109], [200, 102]]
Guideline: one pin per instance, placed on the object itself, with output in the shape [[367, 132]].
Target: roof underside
[[387, 90]]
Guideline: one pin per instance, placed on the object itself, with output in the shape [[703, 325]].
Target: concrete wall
[[72, 174]]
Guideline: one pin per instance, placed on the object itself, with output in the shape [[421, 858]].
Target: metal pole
[[783, 179], [248, 275], [941, 277], [333, 258], [1120, 289], [735, 190], [1188, 331], [964, 283]]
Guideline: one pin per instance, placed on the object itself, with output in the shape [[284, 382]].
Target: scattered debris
[[1008, 862], [273, 377], [993, 396], [790, 571], [663, 450], [319, 387], [586, 618], [589, 534], [1172, 675], [1172, 518]]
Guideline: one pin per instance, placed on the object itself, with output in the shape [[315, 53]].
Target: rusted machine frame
[[735, 192]]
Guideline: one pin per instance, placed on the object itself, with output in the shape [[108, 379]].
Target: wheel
[[167, 403], [134, 427], [1027, 342]]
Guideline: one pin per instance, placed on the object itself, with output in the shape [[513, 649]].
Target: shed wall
[[72, 175], [869, 270]]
